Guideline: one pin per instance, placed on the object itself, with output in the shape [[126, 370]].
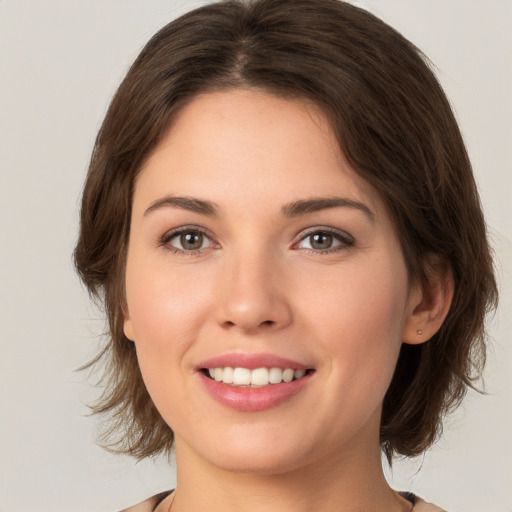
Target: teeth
[[227, 375], [241, 376], [275, 375], [259, 377], [288, 375], [298, 374], [255, 378]]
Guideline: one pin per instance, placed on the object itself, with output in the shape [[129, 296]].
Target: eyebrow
[[185, 203], [305, 206], [293, 209]]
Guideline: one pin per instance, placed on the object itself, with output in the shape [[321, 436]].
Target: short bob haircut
[[396, 128]]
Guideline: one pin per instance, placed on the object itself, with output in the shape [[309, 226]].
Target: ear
[[127, 323], [429, 302]]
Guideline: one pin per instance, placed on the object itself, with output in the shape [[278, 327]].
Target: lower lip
[[253, 399]]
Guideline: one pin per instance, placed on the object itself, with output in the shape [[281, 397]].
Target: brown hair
[[396, 128]]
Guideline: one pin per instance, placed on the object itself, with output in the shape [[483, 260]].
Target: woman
[[281, 219]]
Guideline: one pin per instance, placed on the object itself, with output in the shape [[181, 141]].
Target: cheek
[[358, 319], [165, 309], [168, 309]]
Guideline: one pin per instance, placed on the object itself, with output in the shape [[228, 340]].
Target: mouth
[[248, 382], [241, 377]]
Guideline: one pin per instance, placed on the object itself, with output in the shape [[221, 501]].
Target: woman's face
[[255, 247]]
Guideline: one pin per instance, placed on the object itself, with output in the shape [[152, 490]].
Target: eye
[[325, 241], [187, 240]]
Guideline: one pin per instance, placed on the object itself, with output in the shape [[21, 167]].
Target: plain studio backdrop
[[60, 64]]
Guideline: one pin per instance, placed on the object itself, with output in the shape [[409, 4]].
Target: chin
[[263, 451], [264, 463]]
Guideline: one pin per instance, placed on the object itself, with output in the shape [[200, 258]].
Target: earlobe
[[127, 324], [429, 303]]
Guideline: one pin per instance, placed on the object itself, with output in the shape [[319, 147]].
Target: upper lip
[[251, 361]]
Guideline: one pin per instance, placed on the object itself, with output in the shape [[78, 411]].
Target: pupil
[[321, 241], [191, 241]]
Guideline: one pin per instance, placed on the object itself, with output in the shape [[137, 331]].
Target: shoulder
[[148, 505], [423, 506], [420, 505]]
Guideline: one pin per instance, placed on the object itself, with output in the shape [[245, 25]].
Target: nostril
[[249, 327]]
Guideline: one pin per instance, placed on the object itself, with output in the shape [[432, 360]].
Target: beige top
[[151, 504], [423, 506]]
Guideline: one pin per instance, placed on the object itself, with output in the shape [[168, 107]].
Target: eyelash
[[166, 239], [345, 240]]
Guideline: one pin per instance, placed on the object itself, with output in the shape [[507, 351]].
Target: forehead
[[252, 146]]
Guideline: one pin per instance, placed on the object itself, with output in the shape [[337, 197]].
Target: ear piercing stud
[[419, 331]]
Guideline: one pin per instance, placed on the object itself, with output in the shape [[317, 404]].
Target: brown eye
[[188, 240], [325, 241], [321, 241], [191, 241]]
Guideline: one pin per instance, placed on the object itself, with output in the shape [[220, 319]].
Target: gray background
[[60, 62]]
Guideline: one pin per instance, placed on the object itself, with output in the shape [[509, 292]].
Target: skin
[[258, 283]]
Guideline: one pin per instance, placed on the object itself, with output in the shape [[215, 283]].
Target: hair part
[[393, 123]]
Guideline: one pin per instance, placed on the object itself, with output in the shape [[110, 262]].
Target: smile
[[255, 378], [253, 382]]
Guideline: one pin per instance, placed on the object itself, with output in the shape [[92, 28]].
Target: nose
[[252, 295]]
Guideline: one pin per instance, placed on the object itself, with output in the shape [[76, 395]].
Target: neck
[[354, 483]]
